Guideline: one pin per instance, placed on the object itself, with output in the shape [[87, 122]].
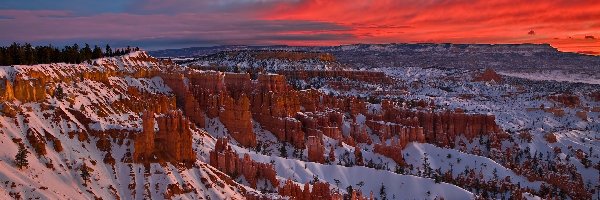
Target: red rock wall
[[144, 142], [237, 118], [29, 90], [320, 190], [226, 160], [172, 143], [316, 150]]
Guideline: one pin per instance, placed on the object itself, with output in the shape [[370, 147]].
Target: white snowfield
[[56, 175]]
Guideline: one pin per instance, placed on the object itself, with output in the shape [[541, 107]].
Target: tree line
[[26, 54]]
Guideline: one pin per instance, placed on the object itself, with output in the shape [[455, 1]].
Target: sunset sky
[[569, 25]]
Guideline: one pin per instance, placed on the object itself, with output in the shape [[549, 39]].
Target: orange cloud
[[462, 21]]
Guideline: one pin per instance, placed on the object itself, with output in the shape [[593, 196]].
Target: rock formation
[[566, 99], [28, 90], [488, 75], [172, 143], [226, 160], [236, 117], [320, 190], [316, 150]]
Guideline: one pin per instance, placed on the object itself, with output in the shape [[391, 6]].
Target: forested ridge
[[27, 54]]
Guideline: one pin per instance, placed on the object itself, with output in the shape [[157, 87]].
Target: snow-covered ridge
[[130, 63]]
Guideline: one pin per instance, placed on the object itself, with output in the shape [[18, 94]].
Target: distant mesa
[[589, 52], [531, 32]]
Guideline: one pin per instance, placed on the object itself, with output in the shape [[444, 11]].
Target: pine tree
[[283, 151], [97, 53], [426, 166], [21, 157], [86, 53], [382, 193], [108, 51], [85, 174]]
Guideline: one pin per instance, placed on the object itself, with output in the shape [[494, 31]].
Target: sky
[[569, 25]]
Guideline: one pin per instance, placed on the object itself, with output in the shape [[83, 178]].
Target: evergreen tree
[[108, 51], [426, 166], [382, 193], [283, 151], [85, 174], [26, 54], [97, 53], [86, 53], [21, 157]]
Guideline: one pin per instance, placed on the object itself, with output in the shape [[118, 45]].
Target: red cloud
[[494, 21]]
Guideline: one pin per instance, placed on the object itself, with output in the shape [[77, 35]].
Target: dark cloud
[[531, 32], [591, 37], [152, 31]]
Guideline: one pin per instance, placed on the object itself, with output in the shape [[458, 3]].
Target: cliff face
[[226, 160], [28, 90], [438, 128], [236, 117], [316, 150], [224, 96], [172, 143]]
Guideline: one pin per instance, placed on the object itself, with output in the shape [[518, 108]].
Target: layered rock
[[320, 190], [316, 150], [29, 90], [140, 101], [191, 106], [393, 151], [223, 96], [274, 105], [6, 90], [172, 143], [438, 127], [322, 123], [237, 118], [226, 160]]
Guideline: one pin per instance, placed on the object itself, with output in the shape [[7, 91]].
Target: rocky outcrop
[[191, 107], [358, 156], [224, 96], [315, 149], [437, 127], [172, 143], [393, 151], [568, 100], [6, 90], [139, 101], [237, 118], [226, 160], [29, 90], [322, 123], [320, 190], [488, 75], [274, 106]]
